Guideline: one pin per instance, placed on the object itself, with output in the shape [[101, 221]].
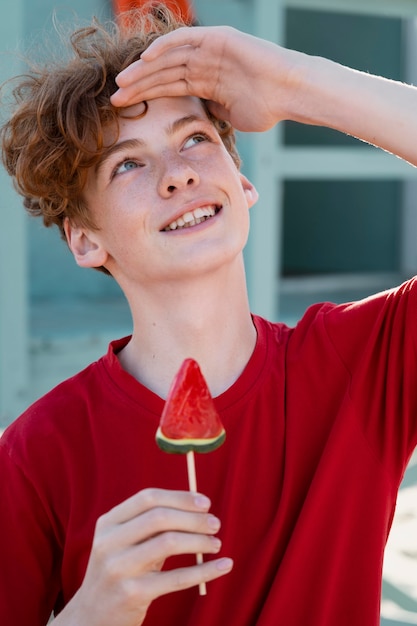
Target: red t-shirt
[[320, 426]]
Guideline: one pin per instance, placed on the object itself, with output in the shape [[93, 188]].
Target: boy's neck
[[208, 320]]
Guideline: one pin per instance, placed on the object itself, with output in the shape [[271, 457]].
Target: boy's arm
[[255, 84], [130, 546]]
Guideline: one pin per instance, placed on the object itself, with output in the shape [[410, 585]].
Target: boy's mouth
[[192, 218]]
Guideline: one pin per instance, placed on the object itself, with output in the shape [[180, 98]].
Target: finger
[[149, 555], [126, 97], [184, 36], [148, 499], [139, 70], [163, 82], [161, 520], [165, 582], [218, 110], [138, 83], [140, 559]]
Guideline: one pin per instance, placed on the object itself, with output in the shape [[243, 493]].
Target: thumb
[[218, 110]]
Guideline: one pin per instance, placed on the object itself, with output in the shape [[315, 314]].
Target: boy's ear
[[250, 191], [85, 247]]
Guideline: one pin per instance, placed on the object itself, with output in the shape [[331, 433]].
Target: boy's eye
[[196, 138], [125, 166]]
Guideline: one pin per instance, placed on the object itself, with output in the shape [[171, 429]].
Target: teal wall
[[367, 43], [38, 13], [339, 226]]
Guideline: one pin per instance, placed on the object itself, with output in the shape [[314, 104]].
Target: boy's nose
[[177, 174], [172, 188]]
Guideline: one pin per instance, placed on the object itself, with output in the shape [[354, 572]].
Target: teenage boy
[[321, 420]]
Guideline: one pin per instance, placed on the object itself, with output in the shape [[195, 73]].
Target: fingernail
[[216, 543], [213, 522], [224, 564], [202, 502]]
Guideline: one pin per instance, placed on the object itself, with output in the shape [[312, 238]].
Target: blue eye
[[125, 166], [196, 138]]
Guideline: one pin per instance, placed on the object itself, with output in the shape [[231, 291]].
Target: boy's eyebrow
[[135, 142], [183, 121], [126, 144]]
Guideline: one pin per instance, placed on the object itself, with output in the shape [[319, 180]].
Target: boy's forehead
[[160, 115]]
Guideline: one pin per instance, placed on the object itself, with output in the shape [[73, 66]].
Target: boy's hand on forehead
[[245, 79]]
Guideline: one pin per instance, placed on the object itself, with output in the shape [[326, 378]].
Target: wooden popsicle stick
[[192, 482]]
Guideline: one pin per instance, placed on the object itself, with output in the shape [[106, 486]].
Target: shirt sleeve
[[375, 339]]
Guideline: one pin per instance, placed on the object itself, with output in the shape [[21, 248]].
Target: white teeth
[[191, 218], [188, 217], [199, 213]]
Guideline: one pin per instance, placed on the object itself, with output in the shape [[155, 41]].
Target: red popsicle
[[190, 422]]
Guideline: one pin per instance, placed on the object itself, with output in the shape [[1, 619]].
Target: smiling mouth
[[192, 218]]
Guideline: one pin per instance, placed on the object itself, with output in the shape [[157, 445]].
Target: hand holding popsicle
[[125, 570], [190, 423], [129, 546]]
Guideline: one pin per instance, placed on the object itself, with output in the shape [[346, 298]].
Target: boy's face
[[167, 198]]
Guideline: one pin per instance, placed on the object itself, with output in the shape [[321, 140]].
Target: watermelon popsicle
[[190, 422]]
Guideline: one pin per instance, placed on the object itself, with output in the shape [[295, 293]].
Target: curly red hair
[[60, 109]]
